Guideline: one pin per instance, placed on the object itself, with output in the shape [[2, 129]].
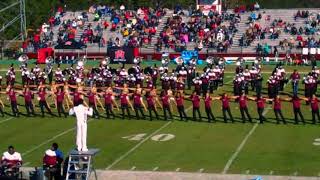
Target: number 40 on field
[[157, 137]]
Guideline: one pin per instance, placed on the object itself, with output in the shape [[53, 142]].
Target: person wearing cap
[[82, 112]]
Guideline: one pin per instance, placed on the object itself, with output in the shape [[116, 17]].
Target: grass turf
[[280, 149]]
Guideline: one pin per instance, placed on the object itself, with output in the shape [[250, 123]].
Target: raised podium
[[80, 165]]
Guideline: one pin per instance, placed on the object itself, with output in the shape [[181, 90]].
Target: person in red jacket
[[314, 103], [260, 106], [27, 94], [180, 106], [109, 100], [277, 109], [242, 99], [138, 104], [52, 161], [13, 100], [195, 105], [296, 104], [125, 102], [225, 107], [207, 104], [165, 98], [151, 101]]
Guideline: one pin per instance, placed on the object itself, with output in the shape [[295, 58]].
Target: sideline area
[[152, 175]]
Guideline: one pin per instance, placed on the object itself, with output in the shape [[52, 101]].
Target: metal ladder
[[80, 165]]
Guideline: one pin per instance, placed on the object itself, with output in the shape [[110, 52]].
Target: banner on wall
[[121, 54], [43, 53]]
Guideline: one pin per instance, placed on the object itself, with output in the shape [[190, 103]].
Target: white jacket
[[81, 113]]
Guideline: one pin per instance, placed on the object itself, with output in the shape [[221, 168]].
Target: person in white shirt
[[81, 113], [11, 159]]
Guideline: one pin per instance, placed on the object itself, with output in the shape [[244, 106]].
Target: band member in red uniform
[[108, 100], [196, 105], [242, 99], [125, 103], [314, 102], [13, 100], [151, 105], [166, 105], [42, 101], [92, 97], [260, 106], [59, 99], [225, 107], [277, 109], [138, 104], [180, 106], [296, 104], [207, 104], [27, 94]]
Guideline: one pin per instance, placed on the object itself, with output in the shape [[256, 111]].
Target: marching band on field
[[137, 89]]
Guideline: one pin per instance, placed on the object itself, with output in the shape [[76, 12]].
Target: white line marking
[[137, 145], [188, 109], [201, 170], [295, 173], [236, 153], [248, 171], [3, 121], [49, 140], [271, 173], [178, 169], [133, 168], [155, 169]]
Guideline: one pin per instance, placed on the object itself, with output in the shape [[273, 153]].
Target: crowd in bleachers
[[212, 31], [295, 35], [109, 26]]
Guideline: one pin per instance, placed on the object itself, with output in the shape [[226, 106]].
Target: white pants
[[82, 136]]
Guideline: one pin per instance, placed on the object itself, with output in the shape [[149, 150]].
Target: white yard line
[[240, 147], [26, 164], [137, 145], [3, 121], [49, 140], [133, 168], [155, 169], [178, 169]]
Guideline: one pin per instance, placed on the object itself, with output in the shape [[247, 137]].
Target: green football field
[[179, 146]]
